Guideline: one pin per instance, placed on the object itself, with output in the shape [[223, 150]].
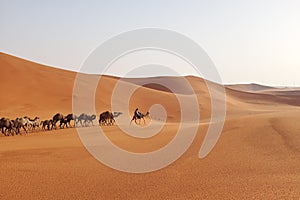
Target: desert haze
[[256, 157]]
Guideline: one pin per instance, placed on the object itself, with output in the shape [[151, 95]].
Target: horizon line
[[154, 76]]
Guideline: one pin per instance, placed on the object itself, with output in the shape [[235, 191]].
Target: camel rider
[[137, 113]]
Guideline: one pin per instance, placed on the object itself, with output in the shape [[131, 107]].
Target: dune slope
[[256, 157]]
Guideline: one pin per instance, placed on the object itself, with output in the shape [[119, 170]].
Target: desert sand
[[256, 157]]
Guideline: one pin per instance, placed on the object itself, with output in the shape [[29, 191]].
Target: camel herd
[[27, 124], [11, 127]]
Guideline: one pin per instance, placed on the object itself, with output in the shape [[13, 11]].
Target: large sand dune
[[256, 157]]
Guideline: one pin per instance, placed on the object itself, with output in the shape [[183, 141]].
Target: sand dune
[[250, 87], [257, 156]]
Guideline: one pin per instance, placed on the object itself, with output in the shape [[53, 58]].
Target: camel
[[66, 121], [80, 118], [84, 119], [47, 124], [90, 119], [8, 125], [117, 114], [106, 118], [57, 117], [4, 124], [33, 123], [139, 116], [21, 123]]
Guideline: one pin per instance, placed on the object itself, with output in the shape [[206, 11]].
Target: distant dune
[[249, 87], [257, 156]]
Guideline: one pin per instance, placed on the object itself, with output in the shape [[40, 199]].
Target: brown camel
[[106, 118], [56, 118], [47, 124], [66, 121], [7, 126]]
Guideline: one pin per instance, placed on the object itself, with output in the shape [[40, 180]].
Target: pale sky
[[249, 41]]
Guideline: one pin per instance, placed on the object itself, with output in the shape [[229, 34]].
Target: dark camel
[[47, 124], [7, 126], [139, 116], [66, 121], [106, 118], [56, 118]]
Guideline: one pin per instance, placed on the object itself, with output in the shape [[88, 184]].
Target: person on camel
[[137, 113]]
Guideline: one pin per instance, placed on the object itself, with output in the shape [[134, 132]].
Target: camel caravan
[[13, 127]]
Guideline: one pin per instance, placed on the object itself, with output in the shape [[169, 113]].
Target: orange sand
[[257, 156]]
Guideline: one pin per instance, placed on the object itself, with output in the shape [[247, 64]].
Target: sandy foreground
[[256, 157]]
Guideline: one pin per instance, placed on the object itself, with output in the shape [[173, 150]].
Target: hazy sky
[[249, 41]]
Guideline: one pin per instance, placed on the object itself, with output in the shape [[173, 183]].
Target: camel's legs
[[24, 129], [133, 118]]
